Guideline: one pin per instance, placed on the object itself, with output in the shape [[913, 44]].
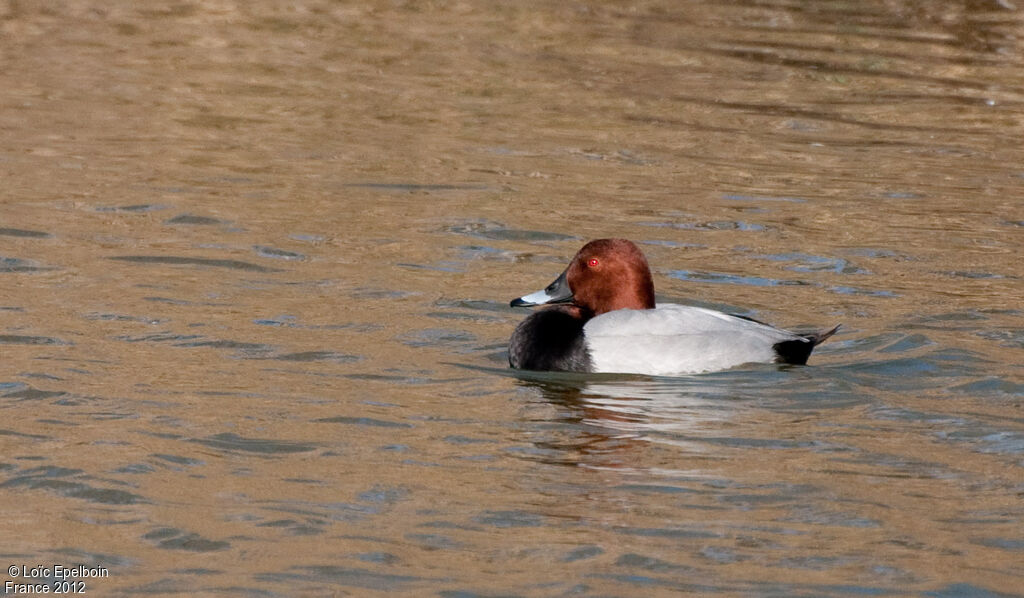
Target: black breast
[[550, 340]]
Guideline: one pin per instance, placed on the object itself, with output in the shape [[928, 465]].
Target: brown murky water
[[256, 258]]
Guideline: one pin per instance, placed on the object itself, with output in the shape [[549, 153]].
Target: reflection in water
[[608, 416], [614, 417], [640, 404]]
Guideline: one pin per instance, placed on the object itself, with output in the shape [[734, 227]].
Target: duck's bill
[[556, 292]]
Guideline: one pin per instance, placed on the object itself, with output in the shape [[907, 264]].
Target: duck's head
[[605, 275]]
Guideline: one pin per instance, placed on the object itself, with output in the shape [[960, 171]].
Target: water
[[256, 259]]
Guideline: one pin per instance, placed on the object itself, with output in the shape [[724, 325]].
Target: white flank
[[677, 339]]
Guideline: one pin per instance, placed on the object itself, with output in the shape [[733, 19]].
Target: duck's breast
[[550, 340], [678, 339]]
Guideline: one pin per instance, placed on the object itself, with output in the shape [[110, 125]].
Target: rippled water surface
[[255, 264]]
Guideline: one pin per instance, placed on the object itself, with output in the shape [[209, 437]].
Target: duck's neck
[[634, 294]]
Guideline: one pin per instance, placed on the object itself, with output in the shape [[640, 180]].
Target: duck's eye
[[592, 262]]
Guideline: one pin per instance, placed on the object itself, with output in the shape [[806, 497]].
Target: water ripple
[[193, 261]]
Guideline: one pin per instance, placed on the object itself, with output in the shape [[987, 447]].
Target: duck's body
[[607, 322]]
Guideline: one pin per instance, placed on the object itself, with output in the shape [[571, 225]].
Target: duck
[[599, 316]]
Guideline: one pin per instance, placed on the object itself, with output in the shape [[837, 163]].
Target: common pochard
[[604, 320]]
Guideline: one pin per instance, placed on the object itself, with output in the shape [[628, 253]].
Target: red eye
[[593, 262]]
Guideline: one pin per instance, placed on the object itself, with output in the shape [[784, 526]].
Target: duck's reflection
[[607, 421]]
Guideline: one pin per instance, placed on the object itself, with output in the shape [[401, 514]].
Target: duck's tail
[[819, 337], [797, 351]]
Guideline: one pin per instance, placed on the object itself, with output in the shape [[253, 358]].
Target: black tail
[[797, 351]]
